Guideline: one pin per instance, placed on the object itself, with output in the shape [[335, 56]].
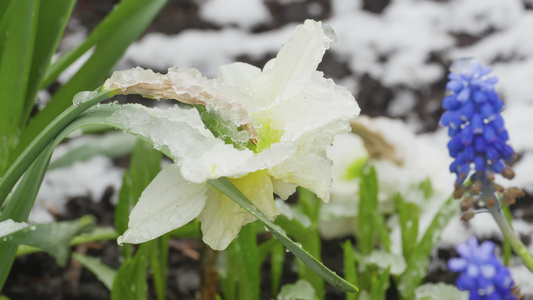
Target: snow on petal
[[296, 60], [168, 202], [185, 85], [324, 110], [180, 133], [222, 218]]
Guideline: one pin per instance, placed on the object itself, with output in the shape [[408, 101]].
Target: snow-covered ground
[[407, 48]]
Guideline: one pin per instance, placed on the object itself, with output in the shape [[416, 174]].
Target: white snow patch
[[402, 104], [87, 178], [204, 50], [244, 13], [9, 226], [468, 16], [523, 278]]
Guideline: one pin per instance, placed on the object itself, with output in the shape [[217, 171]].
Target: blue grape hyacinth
[[482, 274], [477, 131]]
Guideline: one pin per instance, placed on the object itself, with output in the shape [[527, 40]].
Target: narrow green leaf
[[418, 265], [47, 135], [226, 187], [383, 231], [380, 284], [350, 269], [51, 22], [309, 203], [277, 259], [98, 234], [54, 238], [159, 265], [228, 274], [249, 267], [112, 144], [18, 209], [103, 272], [17, 37], [34, 162], [368, 204], [3, 9], [265, 248], [129, 19], [426, 188], [130, 281], [310, 240], [356, 169], [408, 215]]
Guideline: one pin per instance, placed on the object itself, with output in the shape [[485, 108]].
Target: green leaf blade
[[130, 281], [128, 20], [104, 273], [368, 205], [51, 22], [226, 187], [350, 269], [54, 238], [17, 37], [419, 262]]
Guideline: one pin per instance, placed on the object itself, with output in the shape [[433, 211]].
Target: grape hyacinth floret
[[477, 131], [482, 274]]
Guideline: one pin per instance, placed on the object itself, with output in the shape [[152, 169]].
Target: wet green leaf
[[112, 144], [103, 272], [350, 269], [54, 238], [226, 187], [408, 215], [417, 266], [130, 281], [110, 40]]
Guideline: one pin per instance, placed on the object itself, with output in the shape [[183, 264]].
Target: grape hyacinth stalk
[[482, 274], [480, 146]]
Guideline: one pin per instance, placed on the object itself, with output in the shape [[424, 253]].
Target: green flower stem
[[519, 248], [28, 155], [508, 233]]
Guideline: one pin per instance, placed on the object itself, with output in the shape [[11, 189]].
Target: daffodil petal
[[238, 75], [222, 219], [283, 189], [180, 133], [168, 202], [324, 110], [297, 58]]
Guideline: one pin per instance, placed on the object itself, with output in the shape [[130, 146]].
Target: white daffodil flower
[[268, 133]]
